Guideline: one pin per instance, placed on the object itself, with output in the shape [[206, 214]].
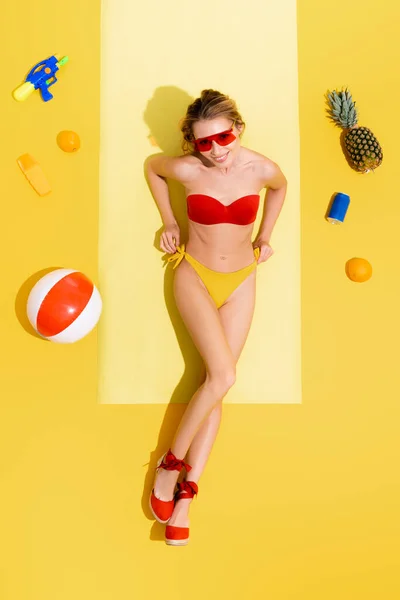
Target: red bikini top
[[209, 211]]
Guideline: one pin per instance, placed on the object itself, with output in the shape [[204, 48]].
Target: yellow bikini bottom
[[219, 285]]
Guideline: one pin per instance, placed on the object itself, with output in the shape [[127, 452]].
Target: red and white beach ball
[[64, 306]]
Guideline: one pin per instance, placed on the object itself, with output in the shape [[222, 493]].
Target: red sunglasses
[[223, 139]]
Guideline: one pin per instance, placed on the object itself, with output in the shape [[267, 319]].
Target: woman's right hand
[[170, 238]]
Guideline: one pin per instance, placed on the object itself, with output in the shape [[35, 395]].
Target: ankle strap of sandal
[[187, 489], [171, 463]]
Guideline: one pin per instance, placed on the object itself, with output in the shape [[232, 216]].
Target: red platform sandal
[[179, 536], [163, 509]]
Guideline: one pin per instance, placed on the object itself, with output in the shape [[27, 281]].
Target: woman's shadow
[[162, 115]]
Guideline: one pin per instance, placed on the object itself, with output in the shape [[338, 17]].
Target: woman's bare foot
[[180, 516], [164, 486]]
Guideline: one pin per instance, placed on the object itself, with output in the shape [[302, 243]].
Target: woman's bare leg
[[235, 316], [204, 439], [203, 322]]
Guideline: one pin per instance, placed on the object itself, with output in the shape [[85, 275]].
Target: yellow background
[[298, 502], [146, 355]]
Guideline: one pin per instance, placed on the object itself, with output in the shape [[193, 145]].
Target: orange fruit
[[68, 141], [358, 269]]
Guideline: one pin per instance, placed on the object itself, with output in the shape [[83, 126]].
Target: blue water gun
[[41, 77]]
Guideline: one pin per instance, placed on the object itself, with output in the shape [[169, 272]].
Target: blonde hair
[[210, 105]]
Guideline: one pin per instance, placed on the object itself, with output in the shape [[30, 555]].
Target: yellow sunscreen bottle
[[34, 174]]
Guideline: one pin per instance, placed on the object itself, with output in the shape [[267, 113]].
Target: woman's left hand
[[265, 250]]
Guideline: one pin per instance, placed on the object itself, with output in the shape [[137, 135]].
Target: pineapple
[[363, 149]]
